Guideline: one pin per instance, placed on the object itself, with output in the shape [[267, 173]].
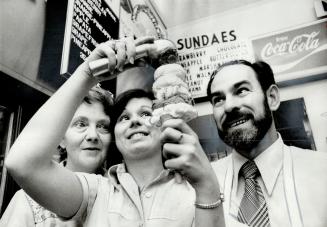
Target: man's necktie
[[253, 208]]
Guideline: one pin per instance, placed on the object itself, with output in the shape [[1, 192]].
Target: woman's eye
[[103, 127], [123, 118], [80, 124], [146, 114]]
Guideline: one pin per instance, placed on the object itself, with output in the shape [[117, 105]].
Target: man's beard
[[246, 139]]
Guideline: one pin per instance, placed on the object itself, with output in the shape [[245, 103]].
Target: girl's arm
[[188, 158]]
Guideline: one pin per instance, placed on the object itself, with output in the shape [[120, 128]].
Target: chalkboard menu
[[88, 23]]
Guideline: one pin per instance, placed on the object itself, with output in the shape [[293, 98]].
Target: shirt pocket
[[172, 204], [121, 207], [164, 209]]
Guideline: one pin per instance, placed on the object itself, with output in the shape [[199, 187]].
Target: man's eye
[[217, 100], [242, 91]]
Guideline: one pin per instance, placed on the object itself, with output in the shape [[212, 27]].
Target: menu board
[[200, 55], [88, 23]]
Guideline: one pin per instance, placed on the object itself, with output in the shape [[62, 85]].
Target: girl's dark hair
[[62, 154], [122, 100], [120, 103]]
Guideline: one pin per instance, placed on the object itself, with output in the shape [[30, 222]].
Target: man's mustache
[[234, 116]]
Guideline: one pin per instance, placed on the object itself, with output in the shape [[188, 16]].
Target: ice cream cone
[[173, 99]]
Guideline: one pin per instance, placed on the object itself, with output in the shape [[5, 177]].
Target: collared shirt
[[271, 182], [117, 200]]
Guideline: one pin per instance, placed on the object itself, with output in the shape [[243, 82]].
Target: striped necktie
[[253, 208]]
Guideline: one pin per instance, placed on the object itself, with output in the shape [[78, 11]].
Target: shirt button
[[148, 194]]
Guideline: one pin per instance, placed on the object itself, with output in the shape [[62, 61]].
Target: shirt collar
[[63, 163], [112, 174], [268, 162], [116, 171]]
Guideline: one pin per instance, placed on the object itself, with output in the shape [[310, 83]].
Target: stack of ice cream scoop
[[173, 99]]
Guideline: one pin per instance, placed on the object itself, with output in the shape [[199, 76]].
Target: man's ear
[[273, 98]]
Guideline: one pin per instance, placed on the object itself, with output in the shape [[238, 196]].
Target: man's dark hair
[[262, 70]]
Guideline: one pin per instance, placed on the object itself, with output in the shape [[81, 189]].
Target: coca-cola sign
[[296, 51], [300, 43]]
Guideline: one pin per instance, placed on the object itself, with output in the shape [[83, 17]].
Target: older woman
[[129, 197], [83, 149]]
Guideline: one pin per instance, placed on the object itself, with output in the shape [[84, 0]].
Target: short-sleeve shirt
[[117, 200]]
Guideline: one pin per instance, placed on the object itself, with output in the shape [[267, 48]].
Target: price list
[[201, 62], [88, 23]]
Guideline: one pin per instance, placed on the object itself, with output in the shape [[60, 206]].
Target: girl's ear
[[273, 98]]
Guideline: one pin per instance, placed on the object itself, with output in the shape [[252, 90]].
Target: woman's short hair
[[105, 97], [95, 94]]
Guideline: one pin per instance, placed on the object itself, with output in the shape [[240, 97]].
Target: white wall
[[252, 20], [22, 25]]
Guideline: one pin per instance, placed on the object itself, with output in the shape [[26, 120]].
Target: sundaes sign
[[298, 52]]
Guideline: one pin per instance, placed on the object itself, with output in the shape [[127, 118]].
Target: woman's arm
[[30, 158]]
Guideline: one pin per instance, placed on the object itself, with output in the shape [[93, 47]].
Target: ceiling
[[176, 12]]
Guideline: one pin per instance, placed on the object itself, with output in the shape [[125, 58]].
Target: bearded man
[[265, 182]]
